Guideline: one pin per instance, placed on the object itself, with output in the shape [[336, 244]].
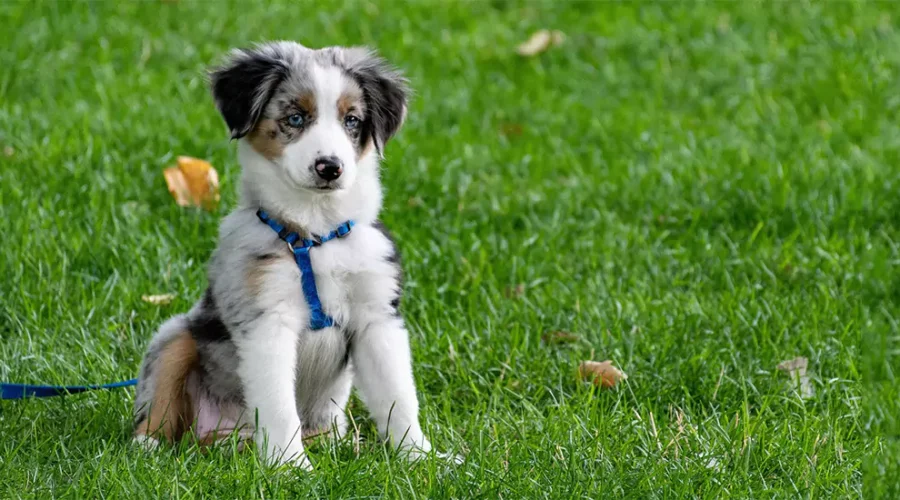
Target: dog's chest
[[321, 356], [355, 277]]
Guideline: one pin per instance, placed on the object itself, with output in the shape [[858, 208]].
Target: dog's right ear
[[243, 86]]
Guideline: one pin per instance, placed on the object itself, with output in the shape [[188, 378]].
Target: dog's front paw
[[416, 453], [451, 458], [301, 462], [146, 442], [290, 454], [295, 458], [447, 458]]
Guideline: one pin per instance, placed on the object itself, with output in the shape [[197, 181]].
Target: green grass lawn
[[697, 191]]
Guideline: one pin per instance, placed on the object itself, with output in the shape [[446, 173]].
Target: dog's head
[[315, 115]]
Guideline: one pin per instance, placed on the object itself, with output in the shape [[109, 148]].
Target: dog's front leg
[[384, 378], [267, 368]]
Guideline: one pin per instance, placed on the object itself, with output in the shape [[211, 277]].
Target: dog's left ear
[[385, 91], [244, 84]]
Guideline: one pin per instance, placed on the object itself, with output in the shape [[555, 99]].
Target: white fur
[[267, 362], [353, 278], [326, 137], [146, 442], [318, 212]]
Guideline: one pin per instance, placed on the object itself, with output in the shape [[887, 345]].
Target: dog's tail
[[163, 406]]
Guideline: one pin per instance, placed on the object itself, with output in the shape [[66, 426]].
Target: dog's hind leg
[[163, 406]]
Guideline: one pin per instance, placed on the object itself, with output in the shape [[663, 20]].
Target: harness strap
[[21, 391], [318, 319]]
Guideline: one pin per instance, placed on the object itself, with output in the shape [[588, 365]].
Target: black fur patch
[[207, 325], [348, 346], [244, 85], [393, 258]]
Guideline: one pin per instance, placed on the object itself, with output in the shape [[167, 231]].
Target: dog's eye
[[295, 120], [351, 122]]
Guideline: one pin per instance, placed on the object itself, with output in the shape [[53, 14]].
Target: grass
[[698, 191]]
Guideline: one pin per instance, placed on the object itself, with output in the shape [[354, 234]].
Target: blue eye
[[296, 120], [351, 122]]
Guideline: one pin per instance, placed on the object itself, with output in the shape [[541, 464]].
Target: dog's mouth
[[327, 188]]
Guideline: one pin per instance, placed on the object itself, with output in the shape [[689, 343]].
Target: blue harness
[[317, 317]]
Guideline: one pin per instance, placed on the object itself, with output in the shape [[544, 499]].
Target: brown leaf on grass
[[512, 292], [510, 129], [601, 373], [796, 365], [158, 300], [559, 337], [540, 41], [8, 151], [796, 370], [193, 182], [723, 23]]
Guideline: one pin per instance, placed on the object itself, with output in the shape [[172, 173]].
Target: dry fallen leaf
[[796, 369], [601, 373], [510, 129], [723, 24], [8, 151], [193, 182], [540, 41], [158, 300], [512, 292], [559, 337], [796, 365], [177, 186]]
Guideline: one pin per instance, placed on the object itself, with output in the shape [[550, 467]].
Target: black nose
[[329, 168]]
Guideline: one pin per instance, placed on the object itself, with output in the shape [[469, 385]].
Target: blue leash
[[22, 391], [317, 317]]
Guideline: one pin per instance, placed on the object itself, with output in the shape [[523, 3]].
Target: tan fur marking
[[258, 272], [266, 140], [307, 101], [171, 408], [351, 99]]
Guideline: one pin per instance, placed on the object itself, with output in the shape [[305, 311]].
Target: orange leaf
[[193, 182], [601, 373]]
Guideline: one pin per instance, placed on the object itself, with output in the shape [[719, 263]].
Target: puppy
[[260, 354]]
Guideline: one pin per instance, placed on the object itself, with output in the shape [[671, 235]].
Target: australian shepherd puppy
[[250, 357]]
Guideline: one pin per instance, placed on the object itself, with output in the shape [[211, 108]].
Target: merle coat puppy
[[250, 357]]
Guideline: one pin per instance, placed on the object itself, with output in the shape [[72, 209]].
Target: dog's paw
[[417, 454], [145, 442], [291, 456], [450, 458], [300, 462]]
